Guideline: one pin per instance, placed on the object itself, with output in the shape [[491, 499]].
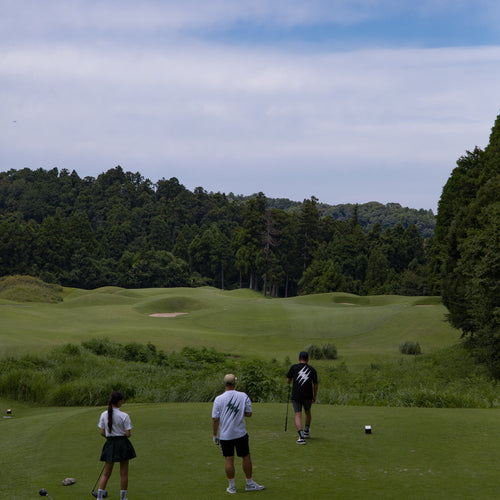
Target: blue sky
[[347, 100]]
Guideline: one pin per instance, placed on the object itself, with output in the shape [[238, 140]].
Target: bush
[[328, 351], [104, 347], [254, 381], [409, 347], [202, 355], [136, 352]]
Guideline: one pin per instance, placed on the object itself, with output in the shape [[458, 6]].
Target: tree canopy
[[466, 254], [121, 229]]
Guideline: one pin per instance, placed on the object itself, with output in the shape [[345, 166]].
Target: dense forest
[[121, 229]]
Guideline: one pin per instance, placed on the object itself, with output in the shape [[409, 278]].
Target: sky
[[350, 101]]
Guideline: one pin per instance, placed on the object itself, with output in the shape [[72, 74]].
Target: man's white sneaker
[[307, 434], [231, 489], [301, 441], [253, 486]]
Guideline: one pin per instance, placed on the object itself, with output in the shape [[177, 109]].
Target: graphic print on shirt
[[303, 375], [232, 408]]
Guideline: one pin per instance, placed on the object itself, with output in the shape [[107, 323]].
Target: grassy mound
[[28, 289], [239, 322]]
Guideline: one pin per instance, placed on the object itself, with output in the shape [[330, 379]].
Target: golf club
[[287, 401], [43, 493], [94, 493]]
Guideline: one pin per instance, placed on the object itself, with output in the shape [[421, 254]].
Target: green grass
[[364, 329], [412, 453], [29, 289]]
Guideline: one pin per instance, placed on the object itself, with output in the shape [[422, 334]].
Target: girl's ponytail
[[116, 396]]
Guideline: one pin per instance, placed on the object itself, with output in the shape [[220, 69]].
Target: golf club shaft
[[99, 477], [287, 401]]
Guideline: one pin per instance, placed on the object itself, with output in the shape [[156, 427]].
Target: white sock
[[123, 494], [249, 480], [231, 482], [100, 494]]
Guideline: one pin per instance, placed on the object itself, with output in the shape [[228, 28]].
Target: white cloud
[[385, 125]]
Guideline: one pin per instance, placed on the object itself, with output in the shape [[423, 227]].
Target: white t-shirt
[[121, 423], [230, 407]]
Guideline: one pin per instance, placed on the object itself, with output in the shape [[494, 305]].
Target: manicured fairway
[[364, 329], [412, 453]]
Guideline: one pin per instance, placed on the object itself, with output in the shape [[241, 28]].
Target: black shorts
[[241, 445], [117, 449], [299, 403]]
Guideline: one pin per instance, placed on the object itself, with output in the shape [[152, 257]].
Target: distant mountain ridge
[[369, 214]]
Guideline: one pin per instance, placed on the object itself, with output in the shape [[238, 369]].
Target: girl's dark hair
[[115, 397]]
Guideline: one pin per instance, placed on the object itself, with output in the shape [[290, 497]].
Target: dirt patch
[[166, 315], [347, 303]]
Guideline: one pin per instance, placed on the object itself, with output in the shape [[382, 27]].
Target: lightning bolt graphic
[[303, 376], [231, 407]]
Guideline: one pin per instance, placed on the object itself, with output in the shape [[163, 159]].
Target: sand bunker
[[166, 315]]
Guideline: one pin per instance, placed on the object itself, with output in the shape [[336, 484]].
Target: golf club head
[[104, 495], [43, 492]]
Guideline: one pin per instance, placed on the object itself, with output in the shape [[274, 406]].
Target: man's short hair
[[229, 379], [304, 356]]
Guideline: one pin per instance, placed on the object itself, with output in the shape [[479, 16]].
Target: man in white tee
[[228, 420]]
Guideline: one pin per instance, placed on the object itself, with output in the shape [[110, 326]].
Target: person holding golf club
[[304, 392], [228, 420], [115, 426]]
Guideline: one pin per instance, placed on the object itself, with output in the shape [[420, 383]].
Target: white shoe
[[253, 486], [307, 434], [231, 489], [301, 441]]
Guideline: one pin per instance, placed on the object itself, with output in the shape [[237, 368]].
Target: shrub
[[328, 351], [202, 355], [254, 381], [136, 352], [103, 347], [409, 347], [71, 349]]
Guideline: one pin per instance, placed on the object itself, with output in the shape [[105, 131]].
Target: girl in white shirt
[[115, 426]]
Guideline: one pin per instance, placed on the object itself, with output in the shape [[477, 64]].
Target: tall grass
[[28, 289], [84, 375], [446, 379]]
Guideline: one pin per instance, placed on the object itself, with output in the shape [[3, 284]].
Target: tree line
[[121, 229]]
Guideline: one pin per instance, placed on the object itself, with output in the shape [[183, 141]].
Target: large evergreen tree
[[467, 248]]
